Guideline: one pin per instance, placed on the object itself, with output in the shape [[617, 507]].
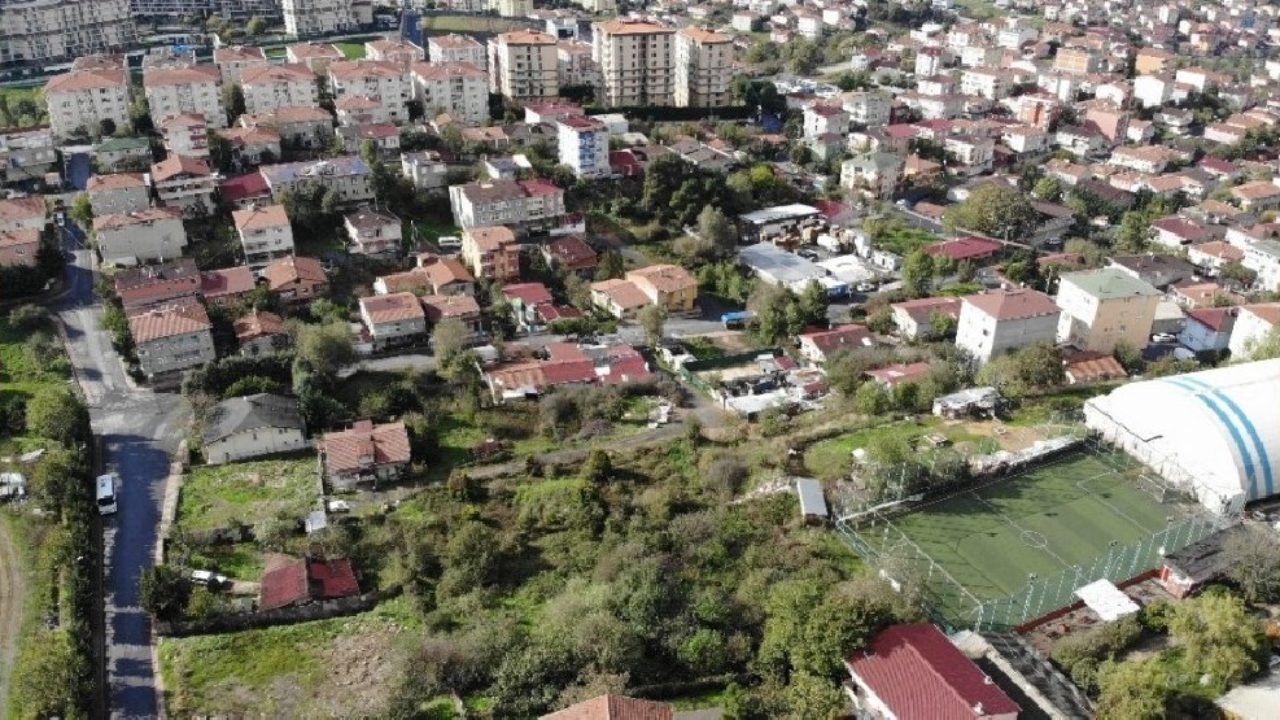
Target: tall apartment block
[[524, 65], [636, 60], [43, 30], [704, 68], [304, 18]]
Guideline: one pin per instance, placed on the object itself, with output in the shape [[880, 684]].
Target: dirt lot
[[1009, 437]]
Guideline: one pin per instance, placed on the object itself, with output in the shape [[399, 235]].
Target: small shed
[[813, 506], [1104, 598]]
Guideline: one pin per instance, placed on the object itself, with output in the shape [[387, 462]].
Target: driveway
[[138, 429]]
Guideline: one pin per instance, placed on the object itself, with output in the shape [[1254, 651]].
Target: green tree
[[1218, 637], [326, 349], [813, 304], [1252, 558], [58, 479], [82, 211], [1134, 234], [449, 337], [611, 266], [1048, 188], [917, 273], [872, 399], [1022, 372], [811, 697], [1134, 690], [996, 210], [220, 151], [653, 318], [256, 25], [1264, 348], [57, 414], [233, 101], [470, 558], [164, 591], [1089, 251], [718, 232], [46, 675]]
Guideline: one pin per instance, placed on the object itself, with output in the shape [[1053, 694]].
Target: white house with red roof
[[970, 247], [1253, 323], [915, 318], [912, 672], [818, 346], [1004, 320], [1208, 329]]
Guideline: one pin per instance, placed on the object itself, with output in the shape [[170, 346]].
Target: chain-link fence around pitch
[[997, 555]]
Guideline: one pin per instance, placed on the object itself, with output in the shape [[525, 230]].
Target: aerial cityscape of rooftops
[[611, 360]]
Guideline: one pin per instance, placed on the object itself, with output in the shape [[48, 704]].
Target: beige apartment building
[[194, 89], [455, 48], [1102, 308], [524, 66], [42, 30], [318, 17], [637, 62], [387, 84], [268, 87], [81, 100], [704, 68]]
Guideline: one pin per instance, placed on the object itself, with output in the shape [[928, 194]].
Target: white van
[[107, 486]]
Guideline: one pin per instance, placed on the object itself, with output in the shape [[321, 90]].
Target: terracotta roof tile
[[1013, 304], [364, 447], [256, 218], [395, 307], [178, 318]]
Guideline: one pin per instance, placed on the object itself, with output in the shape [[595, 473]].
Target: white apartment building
[[511, 8], [233, 60], [425, 168], [385, 83], [584, 145], [265, 234], [150, 235], [268, 87], [523, 66], [868, 107], [990, 83], [314, 55], [193, 89], [393, 319], [637, 62], [121, 193], [455, 48], [704, 68], [318, 17], [821, 119], [394, 50], [459, 89], [1253, 324], [1152, 90], [308, 126], [186, 134], [43, 30], [997, 322], [83, 100], [505, 202]]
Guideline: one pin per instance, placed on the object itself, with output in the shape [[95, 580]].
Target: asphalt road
[[139, 429]]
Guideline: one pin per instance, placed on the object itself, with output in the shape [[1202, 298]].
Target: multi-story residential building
[[668, 286], [637, 62], [191, 89], [874, 173], [33, 31], [295, 278], [303, 18], [821, 120], [974, 153], [373, 233], [26, 155], [394, 50], [19, 248], [346, 176], [491, 252], [316, 56], [426, 169], [454, 48], [506, 202], [1263, 257], [251, 147], [1152, 90], [23, 213], [92, 101], [523, 66], [123, 154], [704, 68], [1004, 320], [265, 234], [178, 10], [987, 82], [512, 8], [122, 193], [387, 84], [186, 134], [1253, 324], [584, 145], [233, 60], [268, 87], [307, 127], [867, 107], [172, 338], [576, 66], [459, 89], [1075, 61], [185, 183], [150, 235], [393, 319], [1105, 307]]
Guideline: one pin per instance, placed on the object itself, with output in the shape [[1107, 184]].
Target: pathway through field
[[13, 593]]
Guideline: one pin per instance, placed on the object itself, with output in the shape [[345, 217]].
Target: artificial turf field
[[1053, 517]]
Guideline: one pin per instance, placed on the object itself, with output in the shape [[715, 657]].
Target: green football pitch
[[1053, 519]]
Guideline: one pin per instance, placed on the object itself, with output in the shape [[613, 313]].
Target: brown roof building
[[365, 453], [614, 707], [296, 278]]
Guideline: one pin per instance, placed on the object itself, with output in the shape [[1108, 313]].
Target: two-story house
[[373, 233], [265, 234], [184, 182], [172, 338], [1004, 320], [393, 319], [119, 193], [295, 278], [669, 286], [364, 453]]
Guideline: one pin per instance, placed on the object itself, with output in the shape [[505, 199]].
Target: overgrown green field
[[216, 496]]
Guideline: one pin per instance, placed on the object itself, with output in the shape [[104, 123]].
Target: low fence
[[283, 616]]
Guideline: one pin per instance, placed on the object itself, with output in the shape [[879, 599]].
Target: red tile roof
[[176, 165], [614, 707], [258, 323], [365, 446], [157, 283], [1013, 304], [182, 317], [294, 268], [839, 338], [392, 308], [438, 307], [900, 372], [920, 675], [1092, 366], [572, 251], [531, 293], [283, 586], [244, 187], [306, 579], [921, 309], [965, 248], [331, 579], [226, 282], [1216, 319]]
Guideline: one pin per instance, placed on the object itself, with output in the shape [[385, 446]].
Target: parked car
[[209, 579], [1163, 337]]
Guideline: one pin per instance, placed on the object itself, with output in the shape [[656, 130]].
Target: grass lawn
[[341, 667], [243, 561], [419, 232], [1062, 515], [902, 239], [436, 24], [352, 50], [14, 95], [216, 495], [19, 373], [38, 543], [831, 458]]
